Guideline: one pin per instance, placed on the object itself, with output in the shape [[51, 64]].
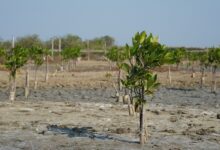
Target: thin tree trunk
[[35, 78], [26, 83], [169, 76], [213, 89], [12, 88], [188, 67], [131, 93], [130, 110], [187, 64], [62, 65], [52, 49], [132, 101], [75, 64], [142, 130], [47, 70], [193, 71], [202, 80], [127, 100], [88, 58], [119, 80], [88, 51]]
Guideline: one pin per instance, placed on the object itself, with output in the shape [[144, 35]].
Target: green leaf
[[142, 37], [155, 39]]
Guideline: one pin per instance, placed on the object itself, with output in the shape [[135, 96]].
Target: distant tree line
[[67, 41]]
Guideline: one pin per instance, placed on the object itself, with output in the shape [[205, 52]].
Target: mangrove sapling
[[187, 55], [214, 61], [213, 88], [27, 79], [203, 60], [148, 54], [112, 56], [2, 53], [47, 69], [193, 57], [36, 54], [70, 55], [47, 53], [169, 59], [178, 56], [15, 59], [117, 55], [128, 97]]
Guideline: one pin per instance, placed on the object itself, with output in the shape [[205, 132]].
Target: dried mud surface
[[77, 110]]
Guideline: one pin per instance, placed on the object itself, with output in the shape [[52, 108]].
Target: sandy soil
[[77, 110]]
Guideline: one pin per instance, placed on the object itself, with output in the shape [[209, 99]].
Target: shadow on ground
[[87, 132]]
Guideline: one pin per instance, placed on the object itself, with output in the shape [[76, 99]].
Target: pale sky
[[176, 22]]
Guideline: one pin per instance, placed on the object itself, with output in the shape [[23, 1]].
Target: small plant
[[214, 61], [145, 54], [203, 60], [173, 56], [169, 59], [112, 56], [15, 59], [36, 54], [47, 53], [2, 55], [71, 55], [117, 55], [193, 58], [178, 56]]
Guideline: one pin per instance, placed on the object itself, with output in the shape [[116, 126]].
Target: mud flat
[[196, 97], [68, 118], [77, 110]]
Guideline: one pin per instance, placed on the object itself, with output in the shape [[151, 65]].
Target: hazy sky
[[176, 22]]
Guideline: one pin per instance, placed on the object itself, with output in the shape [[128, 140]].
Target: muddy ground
[[77, 110]]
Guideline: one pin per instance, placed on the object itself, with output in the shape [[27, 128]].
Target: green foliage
[[116, 54], [47, 52], [193, 56], [2, 52], [29, 41], [15, 59], [70, 53], [203, 58], [100, 42], [70, 41], [112, 54], [151, 84], [174, 55], [108, 40], [179, 55], [147, 53], [169, 57], [214, 57], [36, 54], [5, 44]]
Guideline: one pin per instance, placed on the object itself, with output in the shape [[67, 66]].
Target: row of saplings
[[16, 57], [138, 61], [191, 61]]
